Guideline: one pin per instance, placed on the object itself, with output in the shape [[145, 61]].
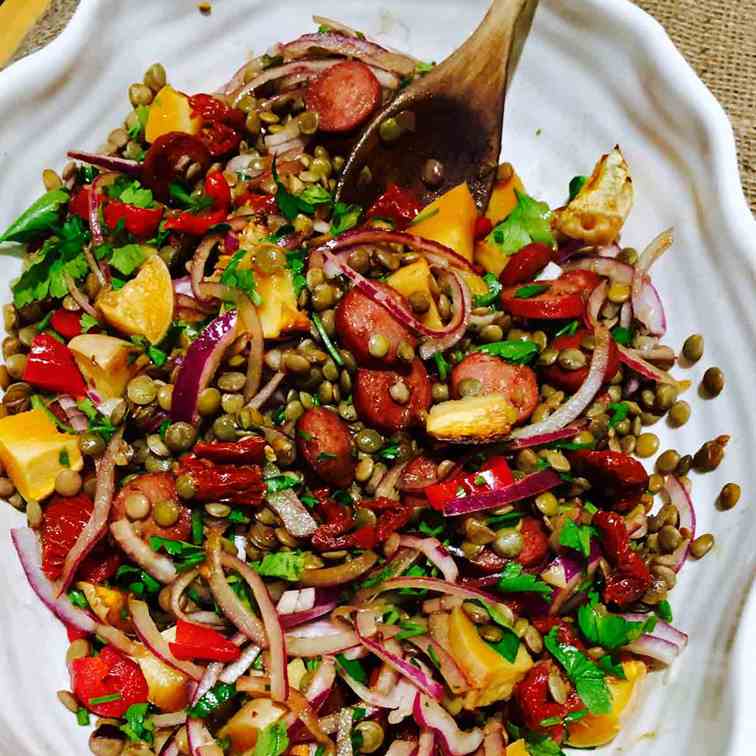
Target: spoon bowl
[[452, 115]]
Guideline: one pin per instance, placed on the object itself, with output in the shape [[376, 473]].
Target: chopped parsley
[[410, 630], [219, 694], [243, 280], [611, 631], [508, 646], [568, 329], [352, 667], [576, 184], [664, 611], [622, 335], [295, 261], [87, 322], [620, 411], [281, 482], [128, 258], [516, 352], [442, 365], [530, 221], [494, 289], [63, 458], [187, 555], [136, 130], [514, 580], [109, 698], [272, 741], [131, 192], [82, 717], [531, 290], [389, 452], [196, 202], [39, 217], [329, 345], [77, 598], [344, 217], [577, 537]]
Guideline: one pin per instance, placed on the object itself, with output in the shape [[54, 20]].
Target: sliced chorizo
[[516, 382], [358, 318], [157, 487], [377, 408], [343, 96], [324, 441]]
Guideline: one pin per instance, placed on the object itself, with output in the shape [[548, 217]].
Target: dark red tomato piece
[[418, 474], [107, 674], [343, 96], [66, 323], [164, 157], [564, 298], [617, 479], [79, 203], [63, 520], [482, 228], [396, 204], [572, 380], [526, 264], [516, 382], [198, 642], [73, 633], [566, 633], [535, 542], [156, 487]]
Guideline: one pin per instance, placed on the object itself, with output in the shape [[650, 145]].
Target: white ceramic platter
[[595, 72]]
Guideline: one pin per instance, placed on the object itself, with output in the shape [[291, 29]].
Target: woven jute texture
[[718, 38]]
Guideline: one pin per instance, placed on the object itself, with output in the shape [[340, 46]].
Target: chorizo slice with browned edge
[[323, 439], [157, 487], [516, 382], [375, 405], [358, 318], [343, 96]]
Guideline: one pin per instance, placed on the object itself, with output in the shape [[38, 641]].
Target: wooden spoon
[[452, 115]]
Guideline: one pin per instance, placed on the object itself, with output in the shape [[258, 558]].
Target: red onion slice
[[97, 526], [604, 266], [295, 619], [198, 736], [109, 163], [148, 633], [78, 295], [76, 418], [250, 319], [170, 747], [416, 676], [227, 600], [296, 601], [320, 638], [577, 403], [157, 565], [431, 716], [427, 744], [172, 719], [531, 485], [200, 363], [199, 260], [436, 584], [29, 553], [351, 47], [635, 362], [387, 487], [266, 391], [647, 305], [312, 67], [294, 515], [402, 748], [547, 438], [494, 744], [655, 648], [680, 499], [209, 678], [447, 666], [236, 669], [595, 303], [178, 587], [279, 681], [435, 553]]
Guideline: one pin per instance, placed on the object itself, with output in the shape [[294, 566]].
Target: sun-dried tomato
[[247, 450], [617, 479], [234, 484]]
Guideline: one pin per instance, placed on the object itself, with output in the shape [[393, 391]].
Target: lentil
[[509, 543], [469, 387], [378, 345], [667, 462], [713, 381], [137, 506], [646, 445], [67, 483], [693, 347], [679, 413], [702, 545], [728, 496], [141, 390]]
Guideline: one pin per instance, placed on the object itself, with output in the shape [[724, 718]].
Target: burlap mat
[[718, 37]]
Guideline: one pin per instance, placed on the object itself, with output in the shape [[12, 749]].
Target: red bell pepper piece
[[631, 577], [79, 203], [197, 642], [50, 366], [142, 222], [66, 323], [483, 227], [396, 204], [111, 673], [198, 224], [535, 542], [243, 452], [493, 475]]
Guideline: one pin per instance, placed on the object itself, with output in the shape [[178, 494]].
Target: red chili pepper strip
[[79, 203], [108, 674], [197, 642], [535, 703], [631, 577], [396, 204], [234, 484], [246, 451], [164, 156], [66, 323], [142, 222], [494, 475], [51, 367], [198, 224]]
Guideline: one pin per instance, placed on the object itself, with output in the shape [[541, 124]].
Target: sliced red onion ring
[[576, 404], [436, 584], [76, 418], [447, 666], [157, 565], [320, 638], [296, 601], [170, 747], [294, 515], [266, 391], [494, 744], [372, 697], [402, 748], [279, 681], [78, 295], [97, 526], [197, 735], [647, 305], [200, 363], [662, 630], [531, 485], [236, 669], [427, 744], [109, 163], [227, 600], [595, 303], [94, 208], [172, 719], [416, 676], [604, 266], [117, 638], [199, 260], [680, 499], [178, 587], [569, 574], [313, 67], [209, 678], [635, 362], [351, 47], [29, 553], [387, 487], [148, 633], [251, 323], [290, 150], [431, 716], [547, 438], [295, 619], [435, 553], [655, 648]]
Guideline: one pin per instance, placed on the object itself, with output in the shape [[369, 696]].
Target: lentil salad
[[311, 409]]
